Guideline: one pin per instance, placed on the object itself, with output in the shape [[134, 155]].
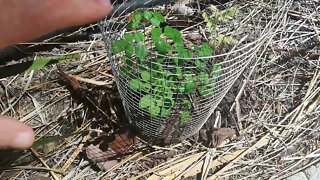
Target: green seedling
[[158, 85], [213, 18]]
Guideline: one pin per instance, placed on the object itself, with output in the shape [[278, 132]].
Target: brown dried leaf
[[222, 134]]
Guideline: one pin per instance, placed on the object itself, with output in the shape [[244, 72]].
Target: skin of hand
[[23, 20]]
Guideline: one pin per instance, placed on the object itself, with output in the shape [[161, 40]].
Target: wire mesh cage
[[175, 60]]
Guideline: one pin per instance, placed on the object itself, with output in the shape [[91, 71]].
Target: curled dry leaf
[[115, 147], [220, 135]]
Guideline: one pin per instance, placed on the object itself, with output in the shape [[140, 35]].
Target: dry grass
[[275, 107]]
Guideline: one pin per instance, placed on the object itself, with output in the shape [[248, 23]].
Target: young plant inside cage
[[158, 64]]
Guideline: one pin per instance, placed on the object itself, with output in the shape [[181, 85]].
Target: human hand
[[24, 20]]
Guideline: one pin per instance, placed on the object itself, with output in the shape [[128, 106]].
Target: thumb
[[14, 134], [28, 19]]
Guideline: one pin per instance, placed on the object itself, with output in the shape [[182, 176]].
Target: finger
[[24, 20], [14, 134]]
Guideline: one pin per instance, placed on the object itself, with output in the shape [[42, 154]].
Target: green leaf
[[187, 54], [219, 40], [160, 59], [135, 84], [159, 101], [169, 102], [172, 85], [119, 46], [157, 71], [189, 76], [203, 78], [160, 81], [183, 53], [169, 76], [139, 37], [138, 16], [179, 72], [165, 112], [148, 15], [229, 40], [156, 33], [141, 51], [129, 51], [145, 101], [40, 62], [128, 62], [53, 139], [157, 90], [187, 104], [173, 34], [123, 72], [205, 90], [145, 75], [185, 117], [228, 14], [177, 61], [181, 87], [216, 70], [154, 109], [162, 46], [155, 22], [211, 23], [214, 9], [165, 92], [159, 17], [205, 50], [190, 87], [136, 20], [134, 24], [168, 93], [129, 37], [146, 87], [200, 64], [232, 11]]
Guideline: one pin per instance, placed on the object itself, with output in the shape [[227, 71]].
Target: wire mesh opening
[[175, 60]]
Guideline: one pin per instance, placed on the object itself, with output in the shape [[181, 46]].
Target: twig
[[38, 168], [75, 153], [45, 164]]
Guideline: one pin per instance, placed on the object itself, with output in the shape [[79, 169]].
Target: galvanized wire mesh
[[168, 97]]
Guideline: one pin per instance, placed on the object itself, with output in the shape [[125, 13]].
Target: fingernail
[[24, 140]]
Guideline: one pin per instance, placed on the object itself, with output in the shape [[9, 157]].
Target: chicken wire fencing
[[174, 61]]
